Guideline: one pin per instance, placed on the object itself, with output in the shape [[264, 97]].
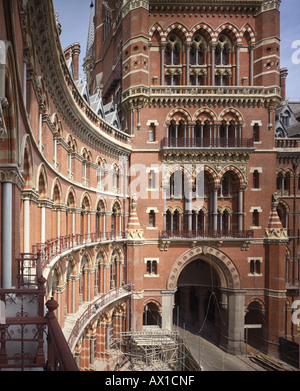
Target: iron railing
[[60, 357], [96, 307], [23, 327], [207, 143], [55, 247], [292, 273], [206, 234]]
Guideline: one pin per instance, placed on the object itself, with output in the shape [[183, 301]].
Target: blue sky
[[74, 18]]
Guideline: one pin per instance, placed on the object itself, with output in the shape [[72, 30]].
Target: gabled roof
[[291, 110], [82, 88], [109, 107], [70, 67], [113, 119], [96, 104]]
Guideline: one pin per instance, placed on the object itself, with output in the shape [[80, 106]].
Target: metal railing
[[60, 357], [22, 332], [211, 234], [207, 142], [292, 273], [55, 247], [94, 308]]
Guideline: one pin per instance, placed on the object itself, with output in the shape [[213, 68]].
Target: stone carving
[[219, 258], [135, 234], [275, 200], [134, 203]]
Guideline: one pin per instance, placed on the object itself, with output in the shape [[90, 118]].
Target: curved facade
[[153, 191]]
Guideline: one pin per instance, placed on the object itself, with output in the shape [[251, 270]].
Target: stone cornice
[[85, 123], [30, 194], [207, 6]]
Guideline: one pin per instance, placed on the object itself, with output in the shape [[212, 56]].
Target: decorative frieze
[[217, 161], [206, 7], [181, 96]]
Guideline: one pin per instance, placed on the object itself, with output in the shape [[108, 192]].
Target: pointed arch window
[[287, 183], [223, 49], [197, 55], [173, 50]]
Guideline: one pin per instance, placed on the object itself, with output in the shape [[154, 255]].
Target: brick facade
[[196, 91]]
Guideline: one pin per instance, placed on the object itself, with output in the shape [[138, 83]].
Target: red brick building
[[161, 169]]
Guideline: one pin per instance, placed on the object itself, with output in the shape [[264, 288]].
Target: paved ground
[[212, 358]]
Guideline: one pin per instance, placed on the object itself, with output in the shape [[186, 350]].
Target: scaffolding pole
[[155, 350]]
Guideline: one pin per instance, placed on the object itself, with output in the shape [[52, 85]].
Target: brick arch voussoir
[[228, 272], [236, 171]]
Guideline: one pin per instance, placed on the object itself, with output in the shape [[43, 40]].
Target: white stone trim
[[152, 168], [258, 208], [150, 209], [256, 122], [260, 259], [253, 169], [151, 259], [152, 122], [266, 73]]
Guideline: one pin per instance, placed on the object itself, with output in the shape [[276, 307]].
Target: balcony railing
[[292, 273], [287, 143], [207, 143], [209, 234], [55, 247], [22, 332], [95, 308]]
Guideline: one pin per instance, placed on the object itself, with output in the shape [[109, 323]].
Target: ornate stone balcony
[[195, 95], [287, 143]]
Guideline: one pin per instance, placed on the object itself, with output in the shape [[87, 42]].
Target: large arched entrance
[[204, 288], [198, 304]]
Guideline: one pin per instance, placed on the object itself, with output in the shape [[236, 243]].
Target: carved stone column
[[213, 50], [7, 190], [162, 63]]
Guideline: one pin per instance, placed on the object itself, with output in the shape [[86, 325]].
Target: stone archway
[[229, 274], [231, 297]]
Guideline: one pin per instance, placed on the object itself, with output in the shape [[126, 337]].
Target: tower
[[88, 62], [198, 87]]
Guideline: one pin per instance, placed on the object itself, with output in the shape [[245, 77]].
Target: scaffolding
[[155, 350]]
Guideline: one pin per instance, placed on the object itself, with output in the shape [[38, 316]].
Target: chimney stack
[[283, 76]]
